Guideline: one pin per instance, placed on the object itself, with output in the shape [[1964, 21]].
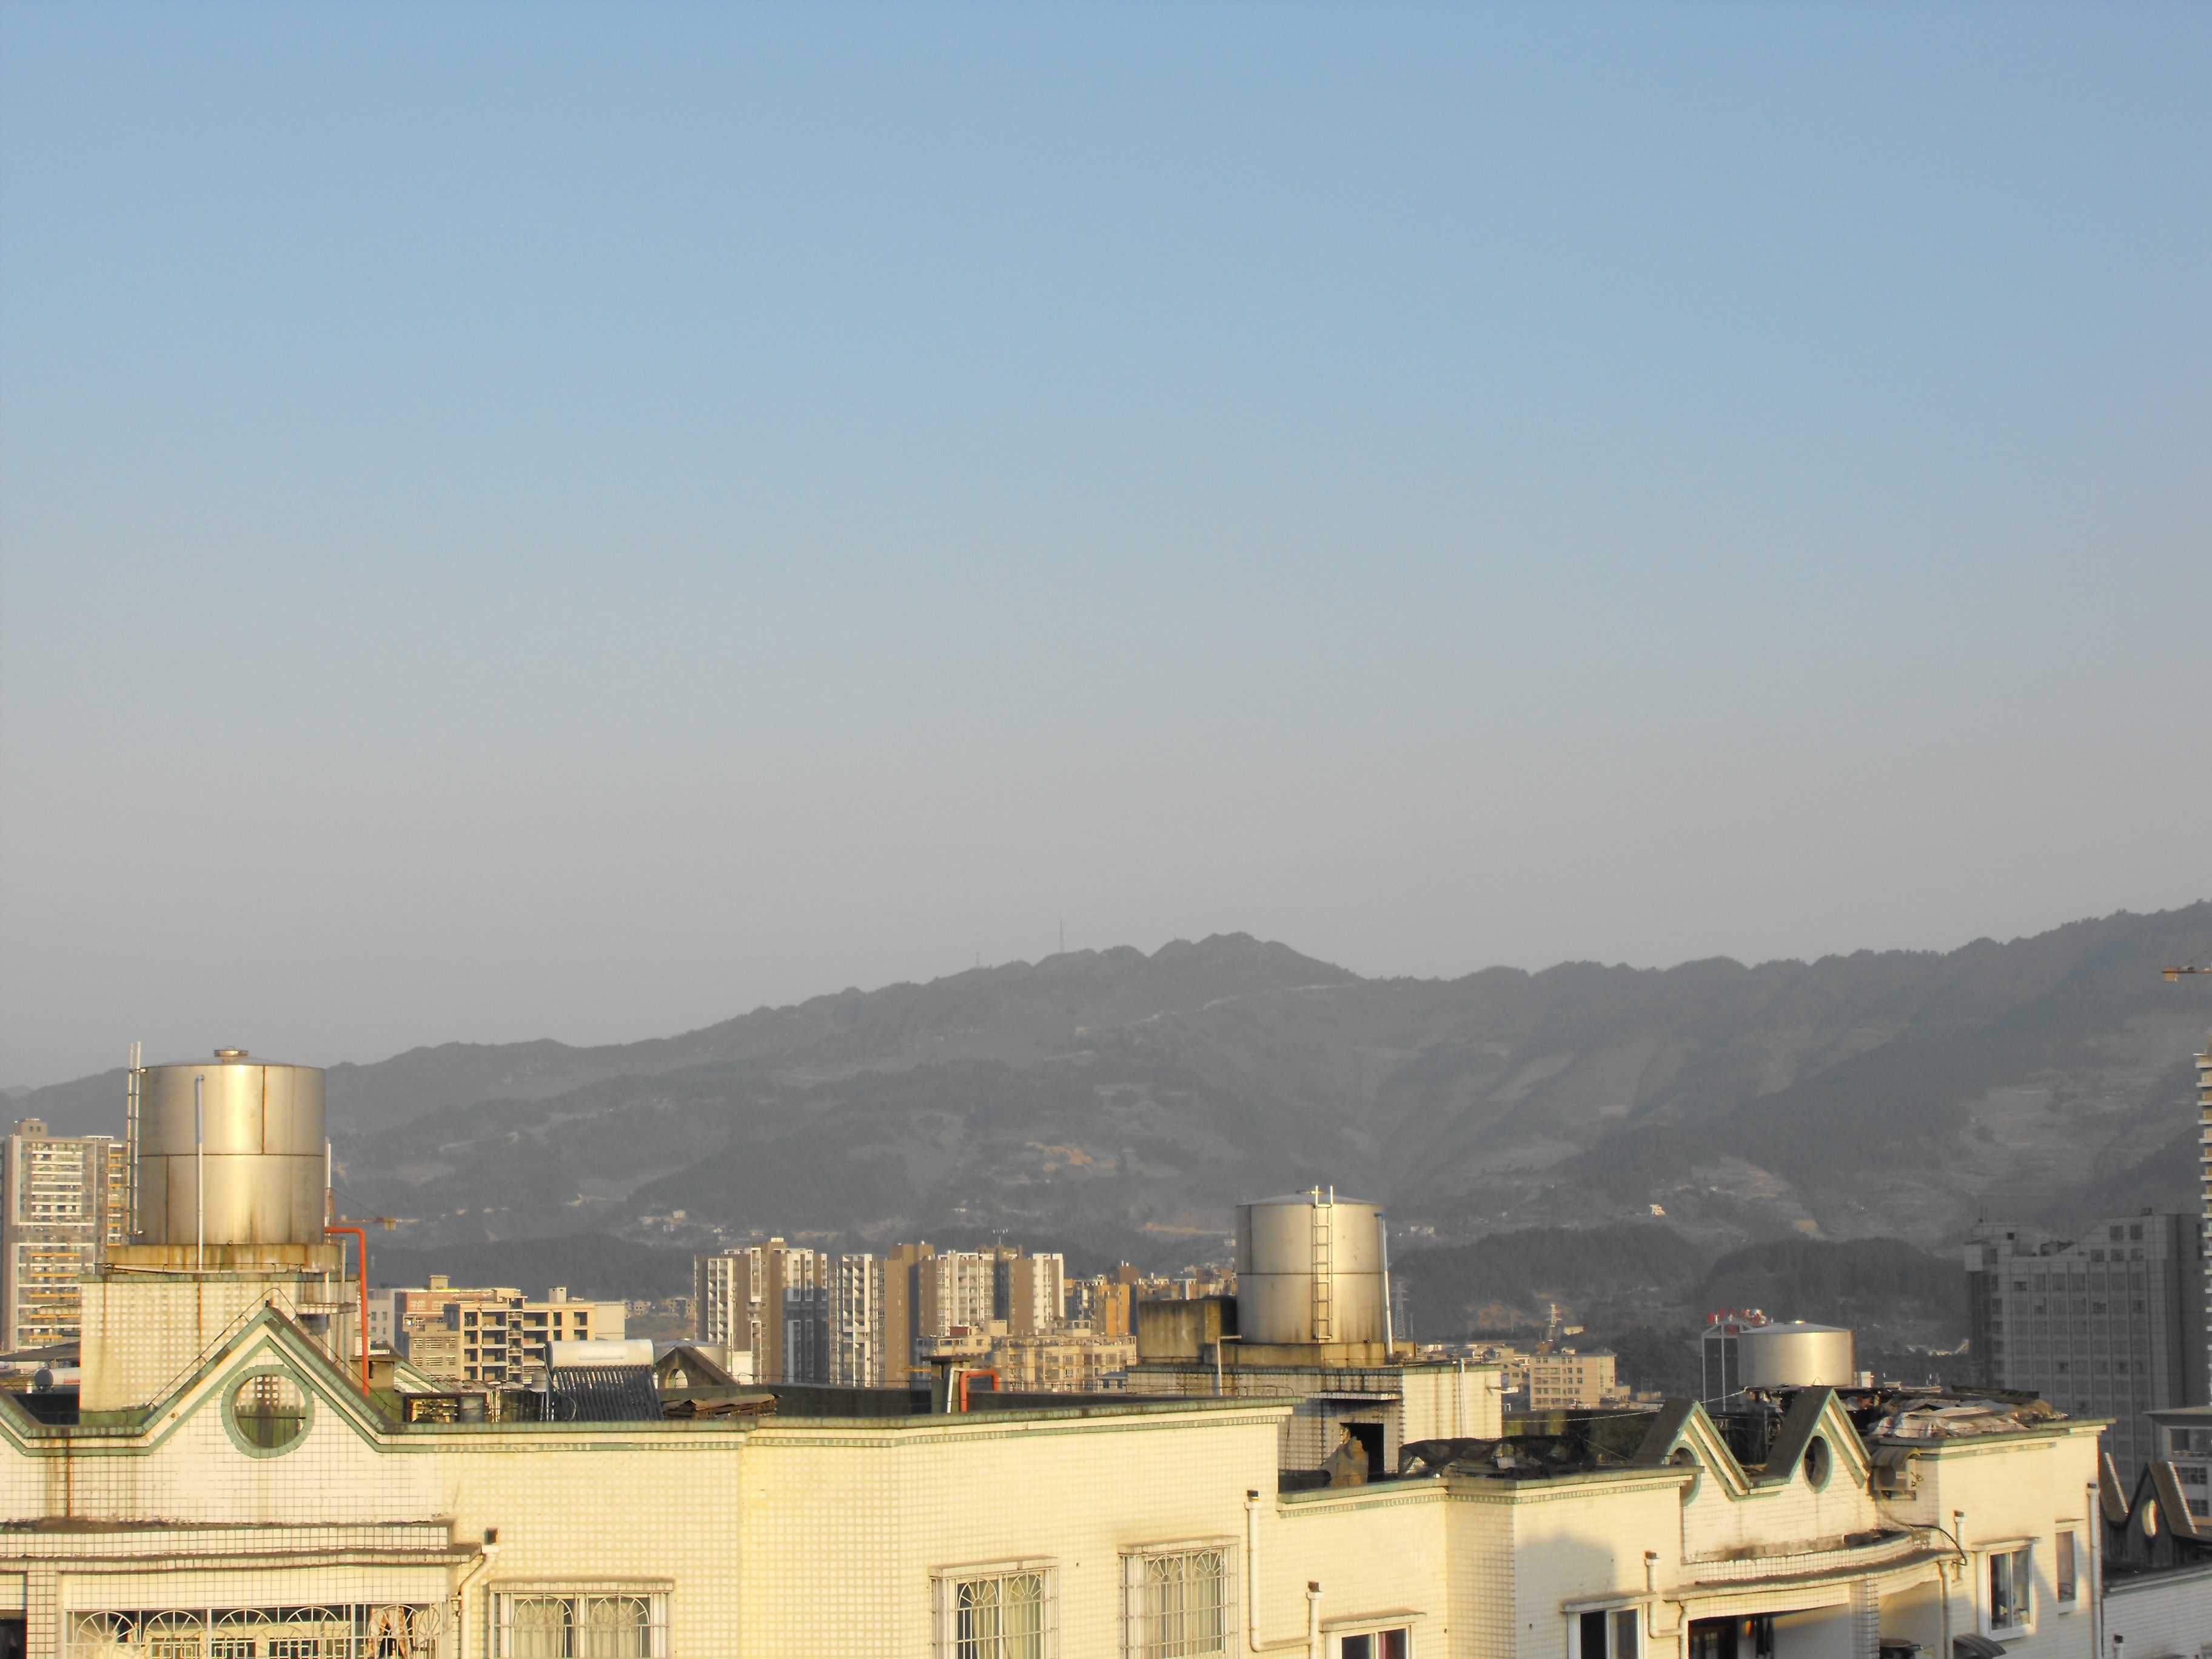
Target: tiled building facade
[[298, 1517], [63, 1202], [2108, 1325]]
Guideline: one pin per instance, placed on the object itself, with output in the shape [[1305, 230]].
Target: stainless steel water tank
[[262, 1149], [1310, 1268], [1795, 1355]]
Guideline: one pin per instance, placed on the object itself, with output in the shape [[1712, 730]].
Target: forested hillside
[[1120, 1103]]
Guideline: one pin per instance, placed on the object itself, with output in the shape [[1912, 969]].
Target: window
[[611, 1623], [349, 1630], [2068, 1585], [1377, 1644], [1733, 1638], [268, 1412], [1818, 1463], [2009, 1590], [998, 1612], [1179, 1603], [1621, 1627]]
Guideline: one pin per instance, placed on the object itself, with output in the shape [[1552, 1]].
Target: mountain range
[[1118, 1105]]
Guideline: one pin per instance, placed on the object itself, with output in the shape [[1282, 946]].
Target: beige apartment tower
[[67, 1202], [2204, 1152]]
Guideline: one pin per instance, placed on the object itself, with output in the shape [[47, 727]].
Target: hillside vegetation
[[1120, 1103]]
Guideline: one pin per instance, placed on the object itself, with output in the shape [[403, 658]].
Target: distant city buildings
[[2111, 1324], [770, 1308], [776, 1312], [490, 1335], [67, 1199], [1550, 1377]]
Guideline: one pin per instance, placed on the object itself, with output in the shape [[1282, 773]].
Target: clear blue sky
[[577, 521]]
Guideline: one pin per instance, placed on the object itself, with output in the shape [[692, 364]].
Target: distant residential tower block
[[2108, 1325], [67, 1200]]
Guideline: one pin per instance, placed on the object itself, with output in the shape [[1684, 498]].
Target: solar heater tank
[[253, 1171], [1310, 1268], [1795, 1355]]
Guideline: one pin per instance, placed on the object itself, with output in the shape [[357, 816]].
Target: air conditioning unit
[[1896, 1471]]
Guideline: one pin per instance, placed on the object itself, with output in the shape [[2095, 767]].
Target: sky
[[578, 521]]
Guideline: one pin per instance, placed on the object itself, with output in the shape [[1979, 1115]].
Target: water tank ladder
[[1324, 1305]]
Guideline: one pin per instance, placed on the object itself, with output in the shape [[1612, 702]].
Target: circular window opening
[[270, 1410], [1684, 1458], [1817, 1462]]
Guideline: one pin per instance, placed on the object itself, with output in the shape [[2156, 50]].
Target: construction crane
[[2193, 965]]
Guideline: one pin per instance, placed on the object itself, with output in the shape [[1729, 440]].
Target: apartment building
[[1133, 1530], [2109, 1325], [725, 1294], [2204, 1153], [1067, 1361], [1037, 1293], [856, 1321], [958, 1287], [66, 1199], [1570, 1379], [903, 1266], [772, 1301], [488, 1335], [1104, 1304]]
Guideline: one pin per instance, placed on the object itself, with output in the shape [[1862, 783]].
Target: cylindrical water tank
[[1310, 1268], [1795, 1355], [252, 1175]]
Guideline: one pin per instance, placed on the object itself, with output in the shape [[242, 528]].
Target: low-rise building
[[228, 1481], [861, 1523], [1572, 1379], [486, 1335], [1067, 1361]]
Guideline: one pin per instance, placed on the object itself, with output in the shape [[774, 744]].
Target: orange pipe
[[361, 1238]]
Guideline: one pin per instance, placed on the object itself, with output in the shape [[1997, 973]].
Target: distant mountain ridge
[[1128, 1101]]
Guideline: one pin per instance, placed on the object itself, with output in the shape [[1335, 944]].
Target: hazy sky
[[524, 521]]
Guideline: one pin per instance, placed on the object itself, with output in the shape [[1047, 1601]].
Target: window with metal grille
[[1008, 1611], [1179, 1602], [560, 1624], [270, 1409], [349, 1631]]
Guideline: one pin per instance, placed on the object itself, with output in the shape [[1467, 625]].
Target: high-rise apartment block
[[770, 1304], [958, 1288], [2205, 1150], [856, 1321], [1037, 1293], [795, 1314], [67, 1199], [2109, 1325]]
